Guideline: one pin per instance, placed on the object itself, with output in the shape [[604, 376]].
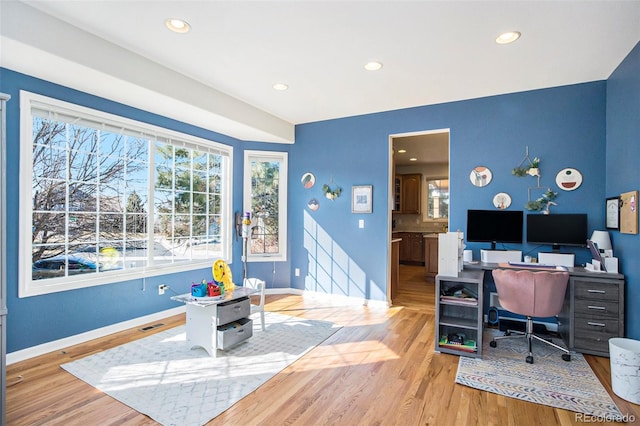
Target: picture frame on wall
[[612, 213], [362, 199]]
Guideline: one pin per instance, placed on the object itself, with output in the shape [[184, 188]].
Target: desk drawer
[[594, 290], [588, 324], [600, 308], [233, 310], [592, 344], [234, 333]]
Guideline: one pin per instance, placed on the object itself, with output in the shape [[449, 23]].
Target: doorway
[[422, 157]]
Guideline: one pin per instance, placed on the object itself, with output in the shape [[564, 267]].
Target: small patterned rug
[[549, 380], [161, 377]]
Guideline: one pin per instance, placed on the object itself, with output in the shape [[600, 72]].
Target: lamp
[[601, 240]]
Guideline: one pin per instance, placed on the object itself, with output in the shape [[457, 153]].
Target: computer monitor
[[569, 229], [494, 226]]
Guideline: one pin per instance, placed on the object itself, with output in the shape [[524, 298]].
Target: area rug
[[161, 377], [549, 380]]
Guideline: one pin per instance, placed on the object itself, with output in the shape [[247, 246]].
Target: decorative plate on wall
[[502, 200], [480, 176], [569, 179], [308, 180], [313, 204]]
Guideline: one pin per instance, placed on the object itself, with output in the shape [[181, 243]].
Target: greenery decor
[[331, 194], [532, 169], [543, 202]]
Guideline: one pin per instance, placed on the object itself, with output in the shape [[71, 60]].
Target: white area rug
[[161, 377]]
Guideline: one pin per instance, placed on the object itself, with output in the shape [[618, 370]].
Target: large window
[[265, 196], [113, 199]]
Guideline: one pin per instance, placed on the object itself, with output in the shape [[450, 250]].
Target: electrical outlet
[[162, 288], [297, 271]]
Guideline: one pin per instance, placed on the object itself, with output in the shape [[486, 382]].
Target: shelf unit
[[461, 317]]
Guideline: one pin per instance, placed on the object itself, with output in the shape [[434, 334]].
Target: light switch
[[361, 223]]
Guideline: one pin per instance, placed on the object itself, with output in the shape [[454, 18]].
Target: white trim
[[30, 101], [66, 342], [283, 159]]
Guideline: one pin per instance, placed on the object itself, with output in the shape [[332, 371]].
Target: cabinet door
[[411, 193], [397, 194], [431, 257], [417, 247], [405, 247]]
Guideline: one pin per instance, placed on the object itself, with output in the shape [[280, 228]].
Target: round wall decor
[[502, 200], [480, 176], [308, 180], [569, 179]]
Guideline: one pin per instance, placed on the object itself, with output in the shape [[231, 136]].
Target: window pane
[[48, 228], [50, 162], [83, 166], [49, 195], [111, 145], [264, 205], [438, 199], [82, 227]]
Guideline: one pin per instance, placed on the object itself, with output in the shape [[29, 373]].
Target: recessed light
[[280, 86], [177, 25], [508, 37], [372, 66], [402, 151], [413, 159]]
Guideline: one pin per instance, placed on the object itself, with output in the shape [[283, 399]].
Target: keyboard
[[532, 265]]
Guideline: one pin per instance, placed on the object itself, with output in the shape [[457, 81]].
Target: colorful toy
[[222, 275]]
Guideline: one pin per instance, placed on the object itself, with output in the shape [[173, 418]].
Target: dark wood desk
[[593, 310]]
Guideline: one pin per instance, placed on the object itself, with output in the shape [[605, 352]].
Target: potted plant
[[544, 202], [533, 169]]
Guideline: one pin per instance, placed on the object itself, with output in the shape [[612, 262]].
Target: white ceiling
[[432, 51]]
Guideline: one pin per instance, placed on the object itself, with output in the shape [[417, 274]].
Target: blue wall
[[623, 152], [35, 320], [570, 126], [564, 126]]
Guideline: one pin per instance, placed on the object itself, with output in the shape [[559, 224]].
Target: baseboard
[[60, 344], [57, 345]]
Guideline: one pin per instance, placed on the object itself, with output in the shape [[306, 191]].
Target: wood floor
[[379, 369]]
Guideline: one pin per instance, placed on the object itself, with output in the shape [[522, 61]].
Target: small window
[[265, 196], [438, 199]]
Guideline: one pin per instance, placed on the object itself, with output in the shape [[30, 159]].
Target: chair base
[[529, 335]]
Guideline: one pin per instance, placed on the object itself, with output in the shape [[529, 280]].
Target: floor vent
[[151, 327]]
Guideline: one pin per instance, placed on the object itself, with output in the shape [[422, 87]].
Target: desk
[[208, 316], [593, 310]]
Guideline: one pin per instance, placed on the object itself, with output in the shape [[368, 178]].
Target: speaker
[[492, 317]]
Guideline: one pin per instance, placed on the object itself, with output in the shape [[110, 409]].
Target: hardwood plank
[[379, 368]]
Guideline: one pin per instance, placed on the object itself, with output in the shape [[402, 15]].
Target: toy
[[222, 275]]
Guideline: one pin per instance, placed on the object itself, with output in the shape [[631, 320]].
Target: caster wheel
[[493, 344], [507, 333], [566, 357], [529, 359]]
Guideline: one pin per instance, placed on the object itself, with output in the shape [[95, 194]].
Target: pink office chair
[[533, 294]]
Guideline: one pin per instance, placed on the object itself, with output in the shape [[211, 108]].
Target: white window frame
[[28, 287], [282, 158]]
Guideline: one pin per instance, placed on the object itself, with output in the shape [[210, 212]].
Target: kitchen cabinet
[[407, 192], [430, 255], [411, 247]]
